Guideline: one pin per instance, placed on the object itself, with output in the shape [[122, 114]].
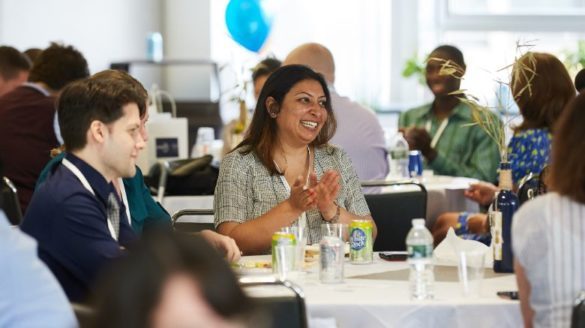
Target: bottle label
[[420, 251], [358, 239], [399, 154], [498, 241]]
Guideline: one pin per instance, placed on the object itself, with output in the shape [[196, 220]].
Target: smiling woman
[[285, 172]]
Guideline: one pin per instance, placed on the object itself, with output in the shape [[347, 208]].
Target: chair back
[[528, 188], [393, 212], [10, 203], [284, 310], [192, 226], [578, 316]]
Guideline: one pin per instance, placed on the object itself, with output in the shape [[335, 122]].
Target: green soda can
[[361, 242], [281, 238]]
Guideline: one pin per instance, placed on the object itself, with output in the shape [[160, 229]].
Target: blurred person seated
[[284, 172], [368, 152], [233, 131], [437, 129], [33, 54], [14, 69], [30, 296], [580, 81], [27, 117], [141, 208], [548, 233], [541, 97], [170, 280]]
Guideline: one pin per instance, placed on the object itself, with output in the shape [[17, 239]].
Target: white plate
[[249, 267]]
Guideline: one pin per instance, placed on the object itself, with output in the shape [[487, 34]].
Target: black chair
[[183, 177], [532, 185], [284, 310], [393, 212], [10, 203], [578, 316], [192, 226], [84, 314]]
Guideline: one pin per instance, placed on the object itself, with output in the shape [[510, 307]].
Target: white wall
[[104, 30]]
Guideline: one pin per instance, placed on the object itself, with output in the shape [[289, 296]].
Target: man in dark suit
[[27, 117]]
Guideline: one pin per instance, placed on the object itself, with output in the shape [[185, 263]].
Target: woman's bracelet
[[335, 218]]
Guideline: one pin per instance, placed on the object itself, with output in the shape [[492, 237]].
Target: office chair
[[285, 310], [192, 226], [578, 316], [10, 203]]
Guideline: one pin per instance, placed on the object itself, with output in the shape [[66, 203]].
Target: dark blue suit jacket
[[70, 226]]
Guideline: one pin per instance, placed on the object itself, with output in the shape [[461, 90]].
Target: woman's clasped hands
[[320, 194]]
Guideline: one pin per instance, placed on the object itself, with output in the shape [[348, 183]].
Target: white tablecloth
[[360, 302], [445, 194]]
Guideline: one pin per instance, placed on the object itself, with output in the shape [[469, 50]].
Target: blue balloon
[[247, 23]]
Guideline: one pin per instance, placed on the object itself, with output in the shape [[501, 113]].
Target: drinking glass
[[285, 260], [471, 269]]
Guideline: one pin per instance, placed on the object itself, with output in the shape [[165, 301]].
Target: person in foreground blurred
[[284, 172], [548, 233], [140, 206], [580, 80], [14, 69], [368, 152], [542, 88], [170, 280], [30, 296], [438, 129]]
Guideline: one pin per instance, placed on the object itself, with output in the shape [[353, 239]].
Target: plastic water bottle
[[419, 243], [398, 151]]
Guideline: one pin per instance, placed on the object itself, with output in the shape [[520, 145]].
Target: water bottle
[[419, 243], [398, 151], [500, 217]]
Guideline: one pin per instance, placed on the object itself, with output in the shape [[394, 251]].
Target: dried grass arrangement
[[494, 120]]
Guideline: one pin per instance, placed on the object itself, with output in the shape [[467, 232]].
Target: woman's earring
[[273, 111]]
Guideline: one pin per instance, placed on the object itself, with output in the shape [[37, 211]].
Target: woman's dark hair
[[59, 65], [262, 132], [129, 291], [265, 67], [567, 171], [542, 88]]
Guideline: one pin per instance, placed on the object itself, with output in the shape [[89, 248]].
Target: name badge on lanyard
[[87, 186], [439, 132]]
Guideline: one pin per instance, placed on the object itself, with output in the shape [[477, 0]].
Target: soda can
[[361, 242], [415, 163], [281, 238], [154, 47], [331, 259]]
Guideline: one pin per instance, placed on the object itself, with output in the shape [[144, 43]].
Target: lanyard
[[87, 186], [125, 200], [439, 132]]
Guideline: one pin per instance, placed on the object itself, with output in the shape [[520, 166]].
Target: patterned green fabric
[[465, 151], [245, 189]]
